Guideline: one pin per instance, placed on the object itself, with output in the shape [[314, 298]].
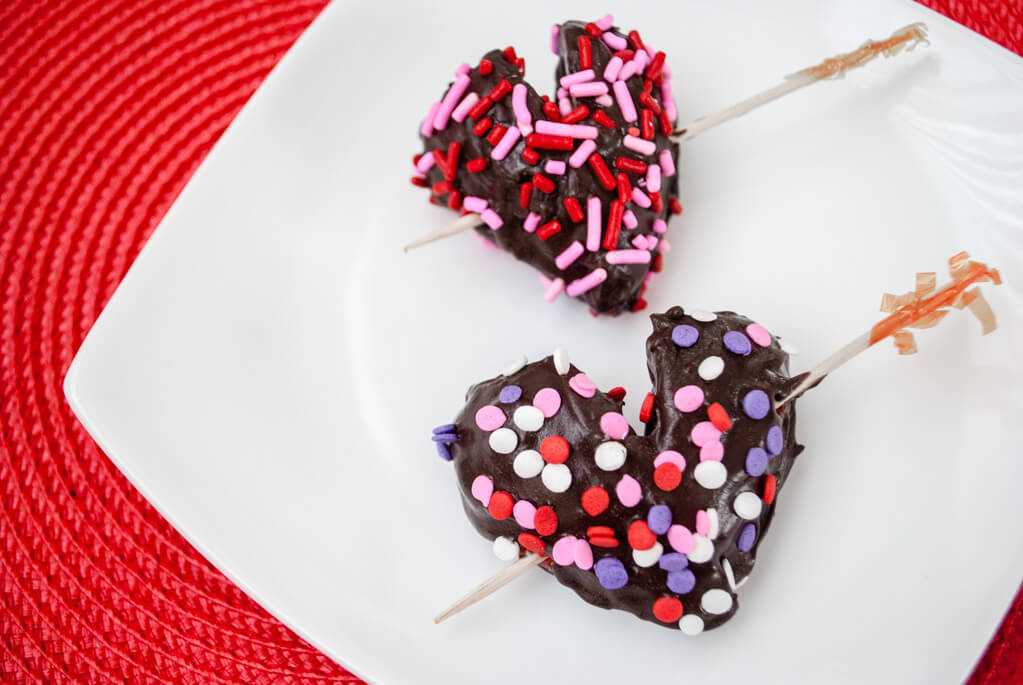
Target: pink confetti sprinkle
[[582, 385], [758, 334], [614, 41], [667, 99], [629, 219], [482, 489], [643, 147], [688, 398], [490, 418], [583, 555], [582, 153], [524, 512], [629, 492], [625, 102], [555, 32], [522, 116], [427, 128], [474, 204], [586, 283], [660, 225], [665, 245], [547, 400], [651, 242], [628, 257], [564, 105], [562, 93], [425, 163], [614, 425], [531, 222], [570, 254], [605, 22], [704, 432], [563, 551], [554, 167], [670, 457], [579, 131], [447, 105], [507, 142], [463, 69], [702, 523], [642, 59], [613, 68], [464, 106], [604, 100], [667, 163], [593, 222], [577, 77], [628, 71], [640, 198], [680, 538], [712, 451], [653, 178], [554, 289], [490, 218], [588, 90], [639, 242]]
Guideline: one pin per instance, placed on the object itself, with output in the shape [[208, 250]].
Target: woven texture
[[106, 109]]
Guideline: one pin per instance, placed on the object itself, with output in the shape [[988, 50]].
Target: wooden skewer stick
[[905, 38], [492, 585]]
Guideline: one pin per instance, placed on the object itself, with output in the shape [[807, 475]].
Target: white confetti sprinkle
[[701, 315], [528, 464], [561, 364], [648, 557], [515, 366], [556, 477], [747, 505], [528, 418], [691, 624], [729, 575], [716, 601], [610, 455], [714, 528], [506, 549], [703, 550], [710, 474], [711, 367], [503, 440]]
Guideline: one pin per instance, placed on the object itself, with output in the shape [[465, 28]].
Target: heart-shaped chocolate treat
[[665, 525], [581, 186]]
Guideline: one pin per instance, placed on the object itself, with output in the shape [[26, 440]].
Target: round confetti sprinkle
[[659, 518], [614, 425], [716, 601], [702, 523], [554, 449], [704, 432], [703, 550], [611, 573], [710, 474], [747, 536], [729, 574], [547, 400], [711, 367], [681, 582], [561, 364], [545, 521], [701, 315], [775, 440], [712, 451], [719, 417], [640, 535], [482, 488], [681, 539], [528, 464], [667, 609], [443, 451], [582, 385], [756, 404], [667, 477], [563, 551], [504, 441], [528, 418], [770, 485], [645, 558], [595, 500], [509, 394], [671, 457], [715, 526], [490, 418], [628, 490], [691, 625], [532, 543], [737, 343], [685, 335], [747, 505], [505, 549], [446, 428], [759, 334], [756, 461], [610, 456], [673, 561], [689, 398], [583, 555], [556, 477], [501, 505], [525, 514], [515, 366]]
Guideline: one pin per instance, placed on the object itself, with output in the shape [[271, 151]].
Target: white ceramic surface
[[270, 369]]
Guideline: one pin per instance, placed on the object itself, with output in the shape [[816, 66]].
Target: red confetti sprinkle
[[675, 206], [441, 187], [624, 189], [500, 90], [646, 122], [719, 417], [646, 99], [656, 203], [576, 115], [525, 192], [635, 41], [542, 183], [639, 305], [476, 165], [602, 172], [640, 535], [509, 52], [658, 263], [647, 85], [647, 408], [415, 159], [546, 141], [486, 66], [482, 126], [496, 133], [653, 71], [435, 201], [666, 127], [521, 64], [594, 531], [625, 55], [667, 476], [668, 609], [545, 521], [595, 501], [614, 224], [532, 543], [554, 449], [616, 393], [548, 229], [454, 200], [448, 164], [593, 29], [420, 181], [530, 155], [501, 504], [585, 52], [575, 211], [634, 166], [633, 131], [770, 489], [603, 541], [481, 107], [551, 111], [601, 117]]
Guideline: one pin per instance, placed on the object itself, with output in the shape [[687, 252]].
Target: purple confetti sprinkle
[[738, 343], [659, 518], [756, 461], [685, 335], [747, 536], [445, 437], [611, 573], [446, 428], [756, 404], [673, 561], [442, 450], [509, 394], [775, 440], [681, 582]]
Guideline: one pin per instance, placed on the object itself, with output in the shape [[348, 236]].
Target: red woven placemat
[[106, 109]]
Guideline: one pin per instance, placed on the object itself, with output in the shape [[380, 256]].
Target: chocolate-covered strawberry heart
[[664, 525], [579, 187]]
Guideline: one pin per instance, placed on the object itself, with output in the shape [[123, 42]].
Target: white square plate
[[269, 371]]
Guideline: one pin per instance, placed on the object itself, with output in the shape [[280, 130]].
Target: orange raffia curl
[[906, 38], [924, 306]]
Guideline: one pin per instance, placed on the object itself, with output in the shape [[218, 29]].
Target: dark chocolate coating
[[500, 182], [578, 421]]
